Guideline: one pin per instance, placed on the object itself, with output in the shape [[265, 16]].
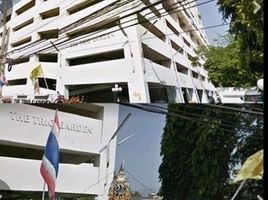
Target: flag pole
[[44, 188], [44, 77], [239, 188]]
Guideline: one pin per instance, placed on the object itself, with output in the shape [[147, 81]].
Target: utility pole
[[3, 44]]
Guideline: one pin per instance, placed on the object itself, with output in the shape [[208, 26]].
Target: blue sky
[[210, 16], [141, 153]]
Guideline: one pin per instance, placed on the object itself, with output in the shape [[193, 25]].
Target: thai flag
[[3, 80], [50, 163]]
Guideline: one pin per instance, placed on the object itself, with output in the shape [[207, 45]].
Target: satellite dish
[[260, 84]]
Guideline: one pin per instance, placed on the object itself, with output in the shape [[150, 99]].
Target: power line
[[100, 180], [138, 23], [99, 30], [97, 47], [56, 18], [86, 36], [42, 41], [85, 19], [64, 42], [157, 111], [223, 123], [138, 181], [198, 106], [173, 114], [237, 109]]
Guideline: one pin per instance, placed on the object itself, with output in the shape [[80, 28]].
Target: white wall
[[29, 126]]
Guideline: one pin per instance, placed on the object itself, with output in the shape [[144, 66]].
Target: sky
[[210, 16], [141, 153]]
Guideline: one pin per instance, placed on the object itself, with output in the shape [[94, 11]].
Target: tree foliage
[[247, 26], [224, 65], [240, 62], [198, 158]]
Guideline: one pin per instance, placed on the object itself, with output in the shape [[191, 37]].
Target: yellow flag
[[36, 72], [252, 168]]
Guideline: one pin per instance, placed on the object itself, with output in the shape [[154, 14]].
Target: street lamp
[[116, 90]]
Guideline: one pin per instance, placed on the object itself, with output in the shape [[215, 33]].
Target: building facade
[[149, 48], [86, 167]]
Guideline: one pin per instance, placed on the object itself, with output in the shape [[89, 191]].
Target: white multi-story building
[[86, 166], [85, 47]]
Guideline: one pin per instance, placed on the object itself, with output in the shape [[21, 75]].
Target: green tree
[[240, 62], [250, 141], [198, 158], [224, 65]]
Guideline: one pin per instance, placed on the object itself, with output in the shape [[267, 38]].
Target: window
[[20, 60], [52, 57], [192, 36], [49, 34], [25, 7], [47, 83], [158, 93], [22, 81], [103, 25], [186, 42], [24, 24], [21, 42], [196, 51], [195, 74], [155, 56], [191, 58], [174, 30], [186, 95], [81, 6], [50, 13], [152, 28], [101, 57], [177, 47], [200, 94], [33, 153], [182, 69]]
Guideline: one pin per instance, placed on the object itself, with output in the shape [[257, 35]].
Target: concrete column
[[204, 97], [106, 173], [62, 89], [138, 92], [137, 86]]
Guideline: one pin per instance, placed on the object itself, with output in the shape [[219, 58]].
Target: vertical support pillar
[[137, 86]]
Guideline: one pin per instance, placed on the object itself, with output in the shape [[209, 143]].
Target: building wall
[[29, 126], [163, 65]]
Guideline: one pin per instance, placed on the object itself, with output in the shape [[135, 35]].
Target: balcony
[[159, 74]]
